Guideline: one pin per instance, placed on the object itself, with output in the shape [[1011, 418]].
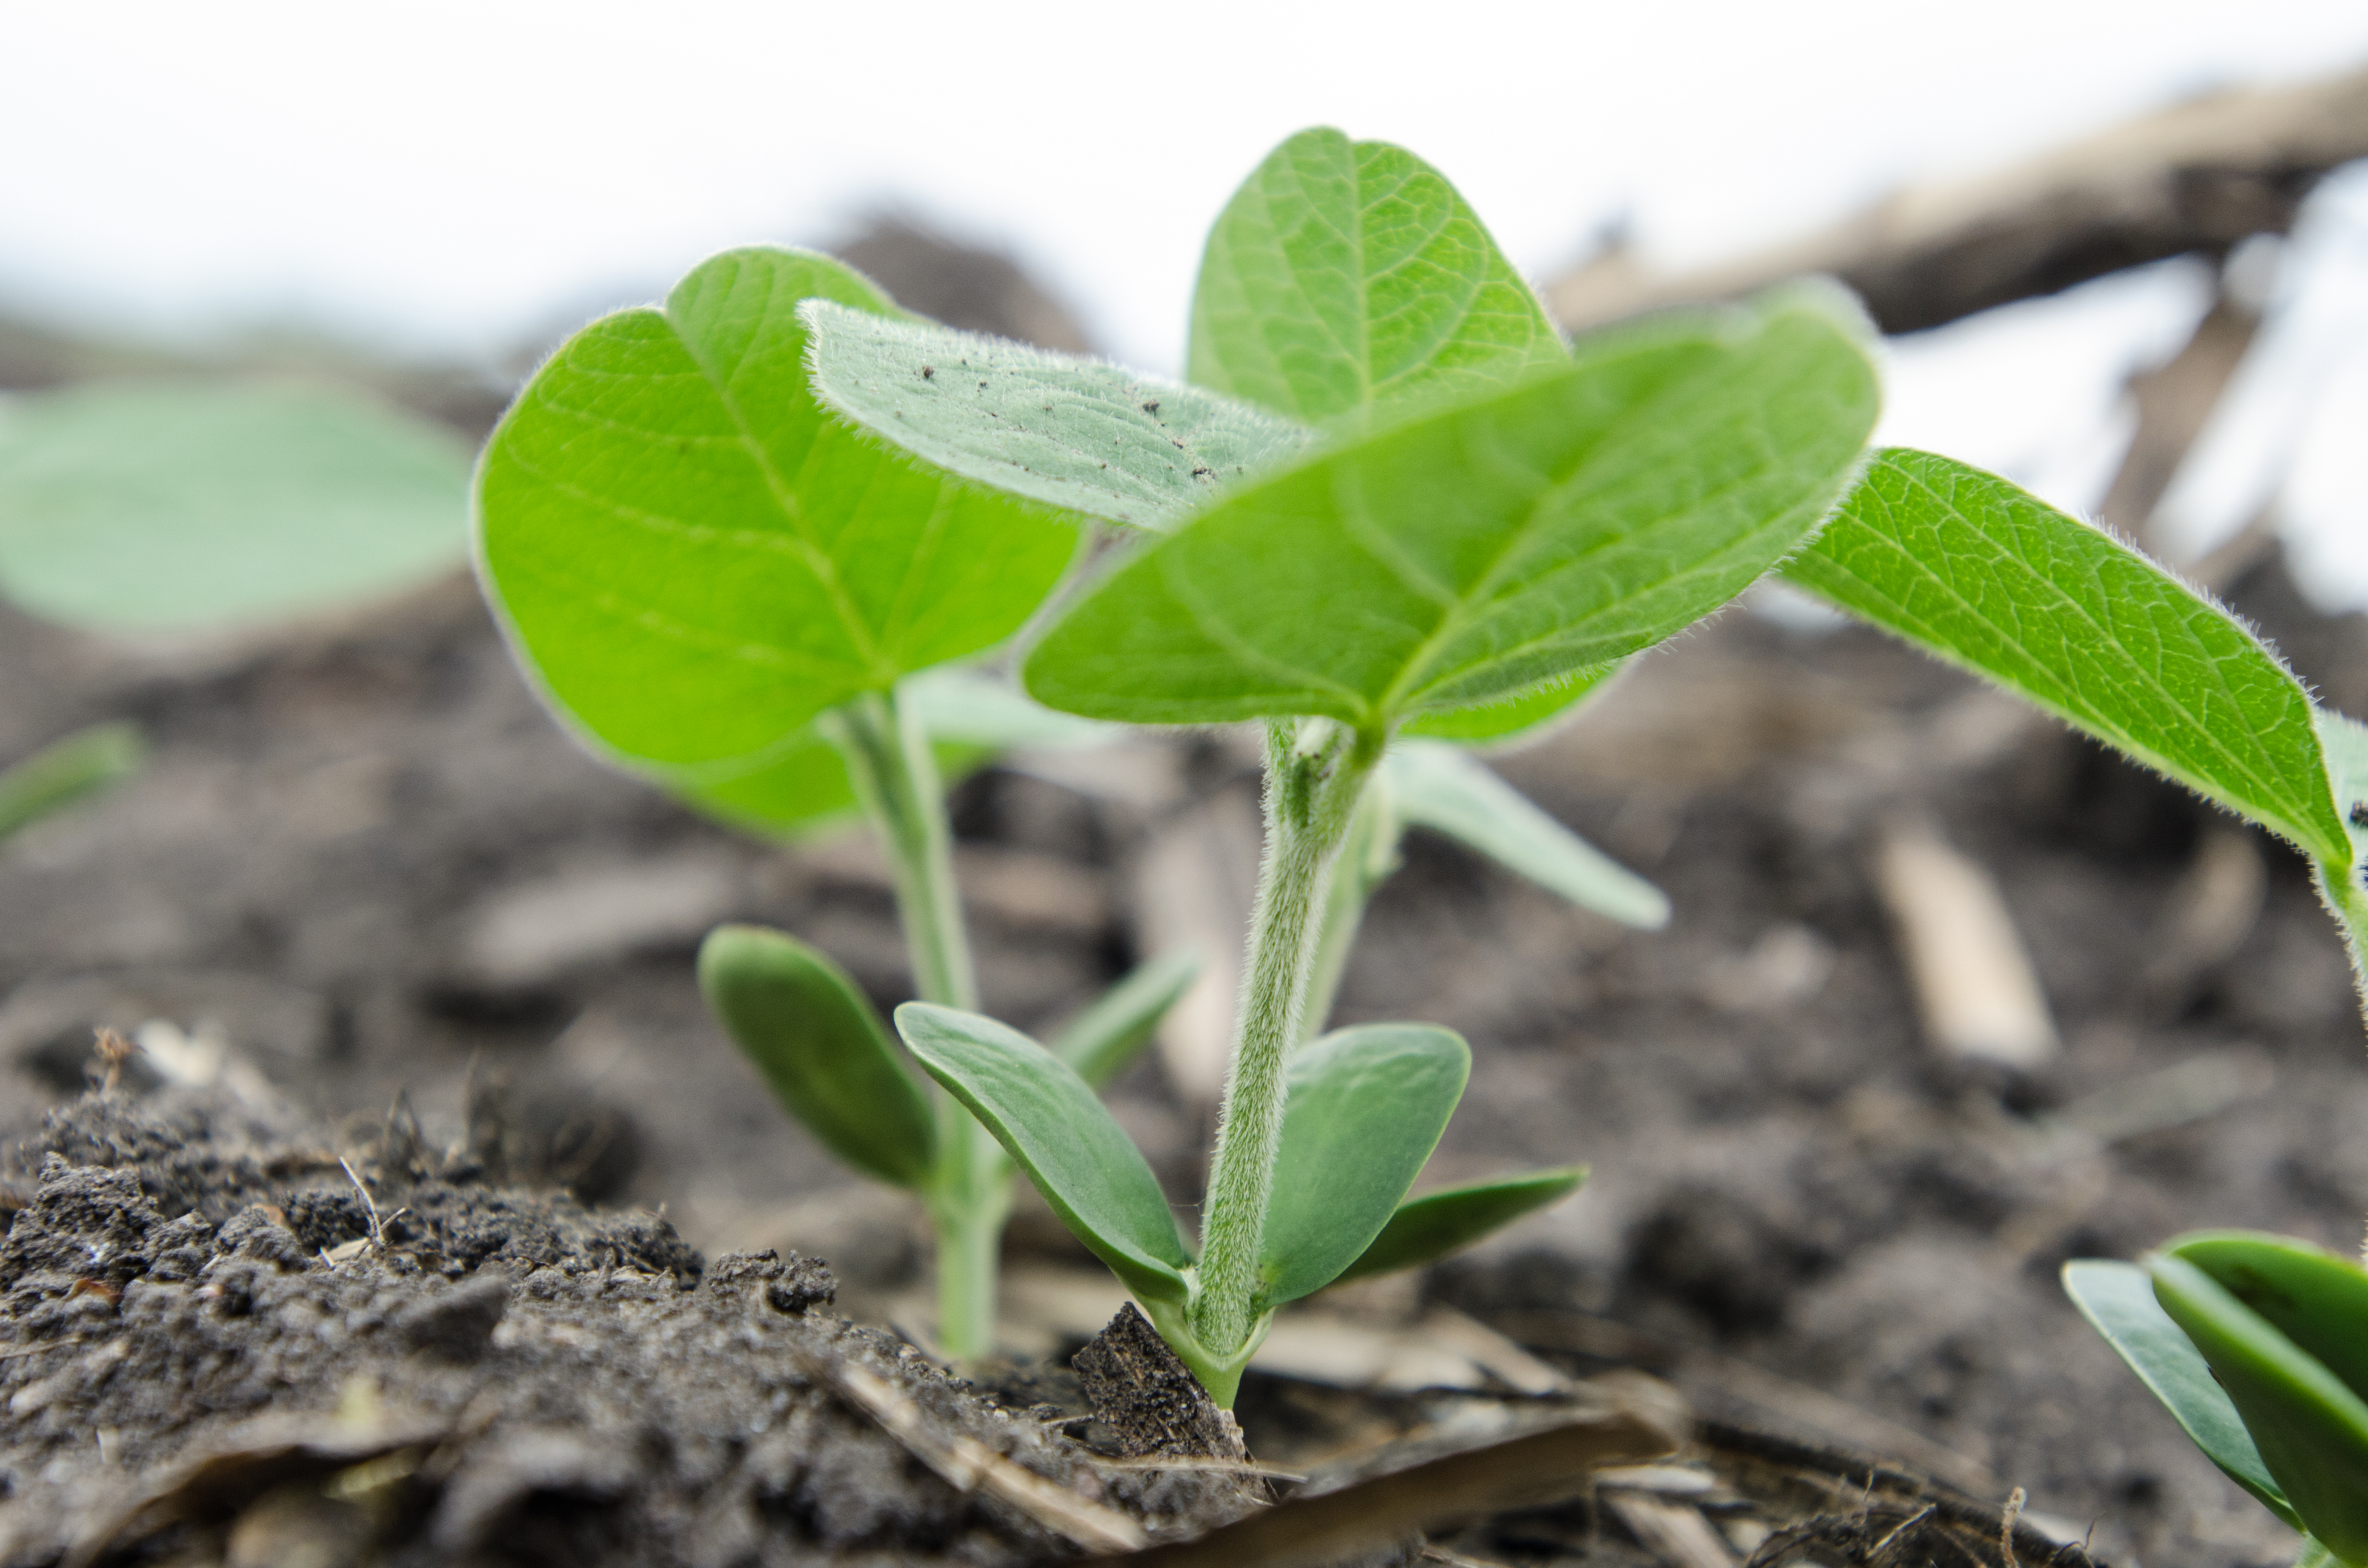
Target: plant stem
[[1310, 802], [1367, 858], [895, 776]]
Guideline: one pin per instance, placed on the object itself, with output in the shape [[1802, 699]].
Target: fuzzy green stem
[[1367, 859], [896, 775], [1310, 798]]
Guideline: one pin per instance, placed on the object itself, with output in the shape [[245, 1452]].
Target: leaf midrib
[[817, 560]]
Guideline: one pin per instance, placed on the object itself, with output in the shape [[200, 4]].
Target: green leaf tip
[[1349, 280], [693, 557], [1476, 552], [1063, 429], [1048, 1120], [160, 508], [820, 1046], [67, 770], [2118, 1301], [1448, 790], [1428, 1228], [2310, 1429], [1986, 576], [1366, 1108]]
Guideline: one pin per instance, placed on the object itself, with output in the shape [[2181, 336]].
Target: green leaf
[[2312, 1432], [1429, 1227], [1483, 549], [1108, 1035], [1047, 1118], [821, 1046], [1344, 277], [2119, 1302], [1447, 790], [1988, 577], [1366, 1108], [696, 559], [2313, 1296], [65, 771], [1522, 717], [180, 507], [1060, 428]]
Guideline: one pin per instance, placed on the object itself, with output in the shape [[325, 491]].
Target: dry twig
[[2199, 176]]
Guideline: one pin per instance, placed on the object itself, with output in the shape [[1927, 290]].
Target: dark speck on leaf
[[1151, 407], [1200, 471], [927, 371], [2359, 814]]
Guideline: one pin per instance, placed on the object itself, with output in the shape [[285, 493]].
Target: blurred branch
[[2199, 176]]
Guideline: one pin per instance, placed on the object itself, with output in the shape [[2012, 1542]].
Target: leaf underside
[[1474, 552], [695, 558], [2118, 1301], [2311, 1431], [1366, 1108], [1971, 568], [1049, 1122], [1060, 428], [150, 508], [814, 1036], [1428, 1228], [1349, 280], [1442, 788]]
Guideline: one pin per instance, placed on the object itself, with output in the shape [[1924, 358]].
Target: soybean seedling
[[727, 591], [2259, 1344], [664, 455], [1487, 517]]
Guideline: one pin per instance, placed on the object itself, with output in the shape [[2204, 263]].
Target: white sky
[[448, 178]]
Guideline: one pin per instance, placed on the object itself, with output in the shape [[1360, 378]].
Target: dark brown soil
[[366, 858], [482, 1376]]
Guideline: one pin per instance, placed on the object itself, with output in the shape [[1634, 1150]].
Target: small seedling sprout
[[1437, 513]]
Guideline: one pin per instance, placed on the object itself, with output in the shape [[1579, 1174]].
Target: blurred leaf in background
[[189, 507]]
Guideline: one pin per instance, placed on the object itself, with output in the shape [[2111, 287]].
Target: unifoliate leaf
[[1440, 787], [2312, 1431], [1515, 719], [1047, 1118], [1482, 550], [65, 771], [696, 559], [2118, 1301], [2308, 1294], [179, 507], [821, 1048], [1060, 428], [1429, 1227], [1347, 278], [1107, 1036], [1366, 1108], [1971, 568]]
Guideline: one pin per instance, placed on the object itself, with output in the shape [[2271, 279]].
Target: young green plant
[[1483, 517], [2254, 1342], [726, 590]]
